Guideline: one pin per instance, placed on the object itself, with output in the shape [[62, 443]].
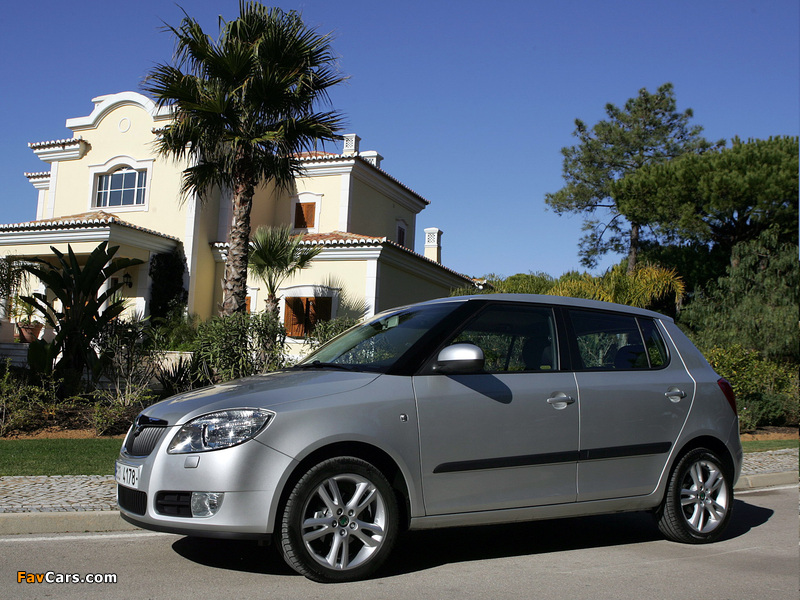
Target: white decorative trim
[[105, 104], [114, 234], [371, 297], [344, 201], [111, 165], [49, 208], [190, 234], [57, 150], [307, 198], [308, 291]]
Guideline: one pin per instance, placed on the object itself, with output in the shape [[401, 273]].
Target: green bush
[[239, 345], [766, 390], [26, 405]]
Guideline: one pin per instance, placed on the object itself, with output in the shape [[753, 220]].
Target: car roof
[[554, 301]]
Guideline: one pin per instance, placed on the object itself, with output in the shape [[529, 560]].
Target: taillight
[[729, 394]]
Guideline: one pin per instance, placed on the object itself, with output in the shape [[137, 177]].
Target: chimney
[[351, 143], [372, 158], [433, 244]]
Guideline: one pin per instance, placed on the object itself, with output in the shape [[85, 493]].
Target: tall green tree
[[755, 304], [719, 198], [276, 254], [648, 129], [245, 105]]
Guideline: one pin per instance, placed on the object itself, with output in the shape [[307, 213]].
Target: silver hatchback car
[[460, 411]]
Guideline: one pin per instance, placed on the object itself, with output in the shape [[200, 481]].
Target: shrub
[[766, 390], [241, 344], [27, 406]]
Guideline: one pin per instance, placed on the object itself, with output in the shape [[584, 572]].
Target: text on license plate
[[127, 475]]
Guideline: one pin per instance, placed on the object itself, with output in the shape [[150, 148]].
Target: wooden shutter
[[304, 213], [294, 317], [319, 310]]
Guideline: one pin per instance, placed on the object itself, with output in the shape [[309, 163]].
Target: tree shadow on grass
[[423, 550]]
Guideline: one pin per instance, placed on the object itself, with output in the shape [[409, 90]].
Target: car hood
[[261, 391]]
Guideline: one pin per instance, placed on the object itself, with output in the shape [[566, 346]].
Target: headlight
[[218, 430]]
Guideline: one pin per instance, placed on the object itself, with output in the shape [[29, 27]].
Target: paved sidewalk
[[48, 504]]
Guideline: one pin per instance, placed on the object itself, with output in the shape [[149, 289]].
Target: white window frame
[[108, 168]]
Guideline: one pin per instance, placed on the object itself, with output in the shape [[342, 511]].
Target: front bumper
[[249, 474]]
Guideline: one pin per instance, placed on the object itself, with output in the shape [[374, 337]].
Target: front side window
[[609, 341], [123, 187], [513, 338], [380, 343]]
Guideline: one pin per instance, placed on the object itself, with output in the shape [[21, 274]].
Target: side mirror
[[460, 359]]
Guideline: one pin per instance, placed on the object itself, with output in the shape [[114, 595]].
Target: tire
[[699, 499], [340, 521]]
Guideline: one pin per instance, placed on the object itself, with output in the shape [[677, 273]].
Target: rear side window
[[610, 342], [513, 338], [656, 348]]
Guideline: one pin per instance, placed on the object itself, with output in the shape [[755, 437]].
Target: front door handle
[[675, 394], [560, 401]]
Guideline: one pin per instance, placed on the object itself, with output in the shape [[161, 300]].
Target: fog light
[[206, 504]]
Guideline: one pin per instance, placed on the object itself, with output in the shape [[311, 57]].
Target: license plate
[[127, 475]]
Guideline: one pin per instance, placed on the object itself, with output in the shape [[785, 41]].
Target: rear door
[[635, 396], [506, 437]]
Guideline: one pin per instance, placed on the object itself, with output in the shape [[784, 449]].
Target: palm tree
[[77, 306], [244, 108], [643, 287], [276, 254]]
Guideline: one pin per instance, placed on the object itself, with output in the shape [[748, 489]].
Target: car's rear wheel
[[699, 499], [340, 521]]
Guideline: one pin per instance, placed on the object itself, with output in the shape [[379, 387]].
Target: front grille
[[142, 440], [132, 500], [175, 504]]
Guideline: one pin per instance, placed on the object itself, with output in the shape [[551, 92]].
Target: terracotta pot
[[29, 333]]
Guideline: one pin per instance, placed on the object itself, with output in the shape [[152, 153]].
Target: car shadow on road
[[232, 555], [423, 550]]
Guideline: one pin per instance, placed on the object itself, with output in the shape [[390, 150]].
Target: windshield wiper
[[323, 365]]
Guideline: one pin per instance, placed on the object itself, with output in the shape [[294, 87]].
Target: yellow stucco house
[[106, 183]]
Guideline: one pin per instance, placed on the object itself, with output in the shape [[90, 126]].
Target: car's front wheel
[[340, 521], [699, 499]]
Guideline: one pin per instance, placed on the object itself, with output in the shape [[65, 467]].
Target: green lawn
[[96, 456], [58, 457], [763, 445]]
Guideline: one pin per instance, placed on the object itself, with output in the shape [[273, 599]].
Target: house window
[[303, 313], [401, 235], [304, 215], [123, 187]]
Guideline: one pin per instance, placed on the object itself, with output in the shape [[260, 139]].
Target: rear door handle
[[560, 401], [675, 394]]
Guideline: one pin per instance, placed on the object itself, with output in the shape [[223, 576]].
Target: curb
[[109, 520], [763, 480], [63, 522]]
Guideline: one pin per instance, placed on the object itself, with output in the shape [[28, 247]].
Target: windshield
[[379, 343]]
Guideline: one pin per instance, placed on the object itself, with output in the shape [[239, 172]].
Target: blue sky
[[469, 102]]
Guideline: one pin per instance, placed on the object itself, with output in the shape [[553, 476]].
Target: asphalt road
[[607, 557]]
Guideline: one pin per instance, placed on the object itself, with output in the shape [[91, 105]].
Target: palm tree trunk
[[234, 285]]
